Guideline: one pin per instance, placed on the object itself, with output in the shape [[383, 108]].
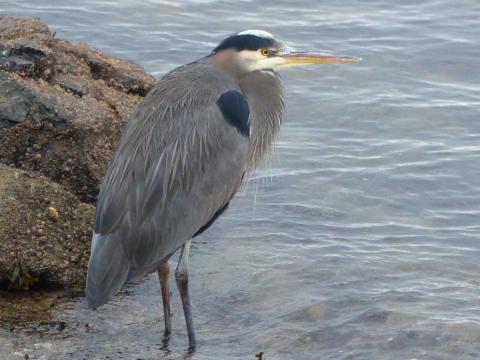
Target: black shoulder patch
[[245, 42], [235, 111]]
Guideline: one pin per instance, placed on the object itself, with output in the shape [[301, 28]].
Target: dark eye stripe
[[245, 42]]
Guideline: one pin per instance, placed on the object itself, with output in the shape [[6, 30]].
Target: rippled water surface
[[359, 239]]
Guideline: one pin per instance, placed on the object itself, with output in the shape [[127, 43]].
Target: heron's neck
[[264, 93], [226, 61]]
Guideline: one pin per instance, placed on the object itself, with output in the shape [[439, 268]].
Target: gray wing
[[180, 161]]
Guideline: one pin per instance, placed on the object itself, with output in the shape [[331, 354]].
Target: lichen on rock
[[33, 245]]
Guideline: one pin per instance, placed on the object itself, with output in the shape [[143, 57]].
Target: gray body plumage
[[182, 157], [178, 163]]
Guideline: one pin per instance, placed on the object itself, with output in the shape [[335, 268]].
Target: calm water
[[359, 239]]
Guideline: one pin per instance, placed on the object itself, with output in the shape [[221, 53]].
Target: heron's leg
[[181, 275], [163, 272]]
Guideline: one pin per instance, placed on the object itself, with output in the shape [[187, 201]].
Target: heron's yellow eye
[[265, 52]]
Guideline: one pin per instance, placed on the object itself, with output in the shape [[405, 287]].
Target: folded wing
[[180, 161]]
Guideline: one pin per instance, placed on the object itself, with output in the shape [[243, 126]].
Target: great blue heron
[[182, 158]]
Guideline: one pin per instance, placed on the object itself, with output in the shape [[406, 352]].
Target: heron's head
[[254, 50]]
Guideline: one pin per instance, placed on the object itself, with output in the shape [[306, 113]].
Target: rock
[[46, 231], [62, 105], [19, 103], [62, 109]]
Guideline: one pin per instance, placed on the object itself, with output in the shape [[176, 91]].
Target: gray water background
[[359, 238]]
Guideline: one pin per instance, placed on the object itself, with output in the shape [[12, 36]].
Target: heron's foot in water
[[166, 342]]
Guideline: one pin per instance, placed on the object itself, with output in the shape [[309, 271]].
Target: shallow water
[[359, 239]]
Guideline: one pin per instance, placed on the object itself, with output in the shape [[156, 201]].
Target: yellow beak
[[302, 58]]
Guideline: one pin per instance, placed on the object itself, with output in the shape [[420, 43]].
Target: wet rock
[[46, 230], [62, 105]]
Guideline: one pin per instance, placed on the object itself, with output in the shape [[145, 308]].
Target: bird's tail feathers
[[108, 269]]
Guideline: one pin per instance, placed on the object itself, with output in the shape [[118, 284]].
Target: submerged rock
[[62, 105], [21, 309], [46, 230]]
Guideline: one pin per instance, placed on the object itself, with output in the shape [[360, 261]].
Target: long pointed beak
[[303, 58]]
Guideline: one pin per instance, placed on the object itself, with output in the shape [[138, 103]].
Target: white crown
[[259, 33]]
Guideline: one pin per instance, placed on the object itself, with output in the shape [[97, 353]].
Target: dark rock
[[70, 86], [20, 58], [18, 103]]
